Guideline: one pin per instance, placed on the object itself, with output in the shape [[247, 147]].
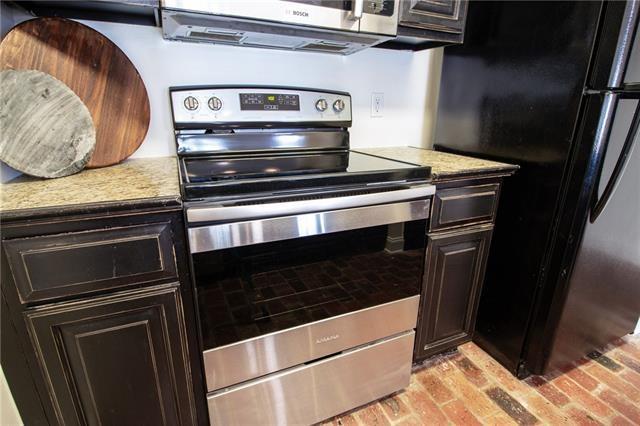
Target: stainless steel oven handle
[[237, 234], [219, 213]]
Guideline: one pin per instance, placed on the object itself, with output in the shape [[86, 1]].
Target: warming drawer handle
[[208, 214], [238, 234]]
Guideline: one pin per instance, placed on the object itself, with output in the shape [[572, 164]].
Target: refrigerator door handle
[[600, 203], [625, 44]]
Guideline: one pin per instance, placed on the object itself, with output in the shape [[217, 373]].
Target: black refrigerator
[[554, 88]]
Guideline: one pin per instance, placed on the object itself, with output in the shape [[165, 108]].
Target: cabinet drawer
[[464, 205], [62, 265]]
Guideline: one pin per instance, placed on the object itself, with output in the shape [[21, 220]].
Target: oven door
[[371, 16], [281, 291]]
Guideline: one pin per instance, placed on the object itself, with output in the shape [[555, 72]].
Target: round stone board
[[45, 129]]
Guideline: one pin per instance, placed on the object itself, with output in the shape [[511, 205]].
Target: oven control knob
[[215, 104], [322, 105], [191, 103], [338, 105]]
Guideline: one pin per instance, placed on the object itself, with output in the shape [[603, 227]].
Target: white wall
[[9, 415], [402, 76]]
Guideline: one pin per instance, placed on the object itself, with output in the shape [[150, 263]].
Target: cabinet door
[[454, 271], [437, 15], [116, 360]]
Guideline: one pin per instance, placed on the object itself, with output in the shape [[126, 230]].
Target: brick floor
[[468, 387]]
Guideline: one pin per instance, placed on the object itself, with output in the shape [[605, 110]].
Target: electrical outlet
[[377, 104]]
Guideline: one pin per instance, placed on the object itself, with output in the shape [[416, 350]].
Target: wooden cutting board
[[46, 129], [96, 70]]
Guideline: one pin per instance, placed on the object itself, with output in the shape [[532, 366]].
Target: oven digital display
[[269, 102]]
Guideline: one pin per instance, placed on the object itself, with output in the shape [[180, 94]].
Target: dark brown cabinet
[[458, 242], [423, 24], [464, 205], [102, 317], [454, 271], [138, 12], [87, 261], [114, 360], [437, 15]]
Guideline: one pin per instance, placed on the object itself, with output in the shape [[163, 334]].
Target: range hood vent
[[214, 36], [199, 27], [325, 47]]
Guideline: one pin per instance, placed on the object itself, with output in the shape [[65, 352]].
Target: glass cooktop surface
[[207, 176], [209, 169]]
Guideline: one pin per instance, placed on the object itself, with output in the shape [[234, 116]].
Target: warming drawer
[[313, 392]]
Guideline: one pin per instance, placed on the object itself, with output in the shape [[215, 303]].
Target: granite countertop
[[134, 179], [443, 165], [157, 178]]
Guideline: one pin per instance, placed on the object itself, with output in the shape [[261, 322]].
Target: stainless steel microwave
[[333, 26]]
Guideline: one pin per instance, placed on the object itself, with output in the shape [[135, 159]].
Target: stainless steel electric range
[[307, 257]]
